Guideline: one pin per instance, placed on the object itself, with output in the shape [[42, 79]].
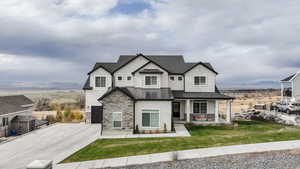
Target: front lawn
[[202, 136]]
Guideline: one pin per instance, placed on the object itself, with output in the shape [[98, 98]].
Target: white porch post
[[188, 110], [282, 88], [217, 111], [228, 112]]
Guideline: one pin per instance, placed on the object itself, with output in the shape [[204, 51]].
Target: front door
[[96, 114], [176, 109]]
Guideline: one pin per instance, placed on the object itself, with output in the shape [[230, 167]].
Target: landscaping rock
[[270, 116]]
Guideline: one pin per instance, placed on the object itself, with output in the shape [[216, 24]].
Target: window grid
[[100, 81], [150, 118]]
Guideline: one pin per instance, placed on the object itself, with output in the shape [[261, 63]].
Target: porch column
[[228, 112], [188, 110], [217, 111], [282, 89]]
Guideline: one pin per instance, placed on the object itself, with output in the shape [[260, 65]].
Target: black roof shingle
[[288, 78]]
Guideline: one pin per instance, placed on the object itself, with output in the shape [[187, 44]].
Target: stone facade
[[118, 102]]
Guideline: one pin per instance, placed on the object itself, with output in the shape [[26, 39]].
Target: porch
[[201, 111]]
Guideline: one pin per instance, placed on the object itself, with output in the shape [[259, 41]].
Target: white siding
[[162, 79], [200, 71], [92, 96], [127, 70], [176, 84], [164, 108], [296, 87], [5, 130]]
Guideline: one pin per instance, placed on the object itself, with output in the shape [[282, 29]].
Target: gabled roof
[[173, 64], [12, 104], [289, 78], [87, 84]]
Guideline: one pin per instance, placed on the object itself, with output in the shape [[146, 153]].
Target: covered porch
[[201, 109]]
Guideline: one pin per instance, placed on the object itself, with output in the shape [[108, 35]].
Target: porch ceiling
[[200, 95]]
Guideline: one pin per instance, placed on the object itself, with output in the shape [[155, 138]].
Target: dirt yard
[[245, 99]]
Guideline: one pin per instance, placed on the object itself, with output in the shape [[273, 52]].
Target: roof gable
[[206, 65]]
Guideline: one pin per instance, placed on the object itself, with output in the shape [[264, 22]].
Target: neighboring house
[[151, 91], [290, 88], [15, 114]]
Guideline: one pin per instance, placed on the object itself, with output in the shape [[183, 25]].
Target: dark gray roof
[[155, 71], [288, 78], [200, 95], [87, 84], [22, 118], [143, 94], [173, 64], [11, 104]]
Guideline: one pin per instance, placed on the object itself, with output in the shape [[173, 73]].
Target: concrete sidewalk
[[180, 129], [182, 155]]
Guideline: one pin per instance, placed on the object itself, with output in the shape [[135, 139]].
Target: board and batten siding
[[296, 87], [176, 84], [162, 79], [126, 71], [92, 96], [165, 115], [200, 70]]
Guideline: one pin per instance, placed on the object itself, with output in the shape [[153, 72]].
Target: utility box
[[40, 164]]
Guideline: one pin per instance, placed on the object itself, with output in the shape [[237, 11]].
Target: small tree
[[80, 101], [43, 104], [59, 116]]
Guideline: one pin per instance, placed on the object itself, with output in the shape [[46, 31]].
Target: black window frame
[[100, 81], [179, 78], [120, 78], [128, 78], [198, 107], [172, 78], [151, 80], [198, 80]]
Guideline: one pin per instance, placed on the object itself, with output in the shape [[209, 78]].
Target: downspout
[[184, 82], [133, 116]]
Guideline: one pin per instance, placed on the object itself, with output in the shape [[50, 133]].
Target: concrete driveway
[[52, 143]]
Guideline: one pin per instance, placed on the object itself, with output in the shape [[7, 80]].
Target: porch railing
[[202, 117]]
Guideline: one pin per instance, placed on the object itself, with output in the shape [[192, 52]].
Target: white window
[[128, 78], [179, 78], [150, 118], [119, 77], [100, 81], [172, 78], [150, 80], [200, 80], [117, 119]]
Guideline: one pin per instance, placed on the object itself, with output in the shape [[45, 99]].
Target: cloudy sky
[[60, 40]]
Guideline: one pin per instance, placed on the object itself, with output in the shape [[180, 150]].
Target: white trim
[[146, 127], [114, 120], [15, 113], [100, 83], [295, 76]]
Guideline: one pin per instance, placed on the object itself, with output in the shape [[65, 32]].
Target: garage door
[[96, 114]]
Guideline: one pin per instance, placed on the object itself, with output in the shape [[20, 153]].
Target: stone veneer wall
[[118, 102]]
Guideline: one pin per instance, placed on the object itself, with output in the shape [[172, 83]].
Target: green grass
[[202, 136]]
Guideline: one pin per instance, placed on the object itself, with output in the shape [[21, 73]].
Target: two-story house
[[151, 91]]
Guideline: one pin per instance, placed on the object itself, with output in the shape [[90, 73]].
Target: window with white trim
[[150, 118], [117, 119], [200, 107], [100, 81], [200, 80], [150, 80]]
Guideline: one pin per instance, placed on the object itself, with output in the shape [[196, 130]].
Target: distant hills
[[78, 86], [40, 86]]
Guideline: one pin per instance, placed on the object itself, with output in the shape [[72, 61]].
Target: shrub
[[59, 116], [51, 119], [165, 128]]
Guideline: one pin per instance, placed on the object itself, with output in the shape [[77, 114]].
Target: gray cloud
[[247, 41]]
